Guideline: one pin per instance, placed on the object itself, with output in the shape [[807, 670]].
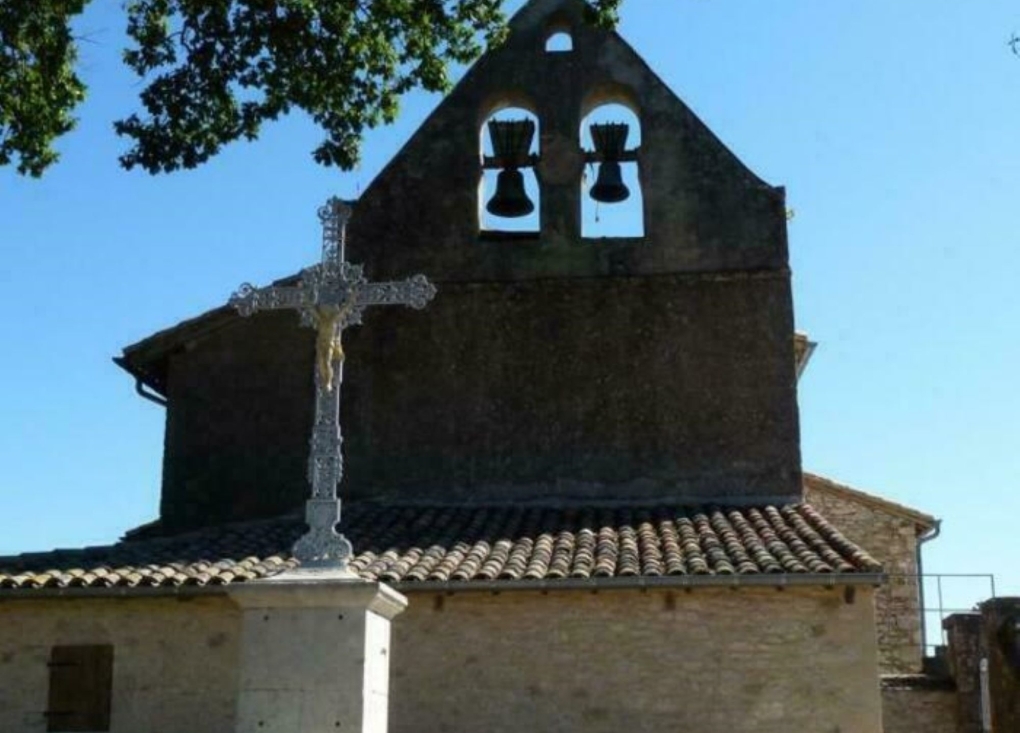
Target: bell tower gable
[[700, 208], [554, 362]]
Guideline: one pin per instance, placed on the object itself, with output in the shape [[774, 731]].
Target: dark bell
[[510, 200], [609, 188]]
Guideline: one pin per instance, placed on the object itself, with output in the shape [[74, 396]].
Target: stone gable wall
[[892, 540], [637, 366], [712, 661], [703, 209]]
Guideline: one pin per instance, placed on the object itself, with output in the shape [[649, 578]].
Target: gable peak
[[538, 13]]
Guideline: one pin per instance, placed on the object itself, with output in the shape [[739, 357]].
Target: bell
[[610, 141], [609, 188], [510, 200]]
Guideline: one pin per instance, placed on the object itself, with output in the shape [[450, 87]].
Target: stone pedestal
[[315, 649]]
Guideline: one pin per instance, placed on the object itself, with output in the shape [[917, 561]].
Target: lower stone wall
[[712, 661], [906, 710], [174, 662]]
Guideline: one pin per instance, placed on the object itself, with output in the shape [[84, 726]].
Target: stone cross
[[330, 297]]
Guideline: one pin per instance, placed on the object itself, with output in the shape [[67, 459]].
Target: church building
[[573, 483]]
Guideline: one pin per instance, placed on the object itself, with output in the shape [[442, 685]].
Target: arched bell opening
[[612, 200], [509, 195]]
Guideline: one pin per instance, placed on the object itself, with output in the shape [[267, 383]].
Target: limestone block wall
[[712, 660], [174, 661], [892, 540], [908, 710]]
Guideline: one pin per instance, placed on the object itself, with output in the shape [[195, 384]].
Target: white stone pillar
[[315, 650]]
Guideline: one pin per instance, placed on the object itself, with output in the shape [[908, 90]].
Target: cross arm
[[415, 292], [249, 299]]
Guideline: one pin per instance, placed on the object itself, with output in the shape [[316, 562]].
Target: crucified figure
[[328, 347]]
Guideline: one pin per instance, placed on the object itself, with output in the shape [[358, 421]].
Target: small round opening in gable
[[559, 42]]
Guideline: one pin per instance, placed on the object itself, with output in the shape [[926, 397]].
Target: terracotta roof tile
[[416, 544]]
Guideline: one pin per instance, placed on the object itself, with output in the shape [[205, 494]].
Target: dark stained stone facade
[[547, 366]]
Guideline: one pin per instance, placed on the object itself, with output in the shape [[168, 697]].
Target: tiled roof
[[415, 544]]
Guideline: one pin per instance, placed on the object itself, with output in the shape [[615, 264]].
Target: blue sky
[[894, 127]]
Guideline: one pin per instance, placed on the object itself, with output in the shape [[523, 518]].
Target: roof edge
[[638, 582], [778, 581], [112, 592], [921, 519]]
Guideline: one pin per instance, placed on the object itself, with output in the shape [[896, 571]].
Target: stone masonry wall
[[499, 389], [712, 661], [892, 540], [963, 633], [620, 367], [174, 662], [909, 710]]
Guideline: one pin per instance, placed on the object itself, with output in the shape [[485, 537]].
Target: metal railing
[[942, 595]]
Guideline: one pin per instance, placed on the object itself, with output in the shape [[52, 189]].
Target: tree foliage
[[38, 86], [214, 71]]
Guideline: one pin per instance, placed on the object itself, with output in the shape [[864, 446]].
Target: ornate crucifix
[[330, 297]]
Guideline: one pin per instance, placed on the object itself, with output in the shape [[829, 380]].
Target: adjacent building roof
[[813, 482], [422, 545], [803, 348]]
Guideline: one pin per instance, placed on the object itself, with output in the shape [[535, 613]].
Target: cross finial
[[334, 215]]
